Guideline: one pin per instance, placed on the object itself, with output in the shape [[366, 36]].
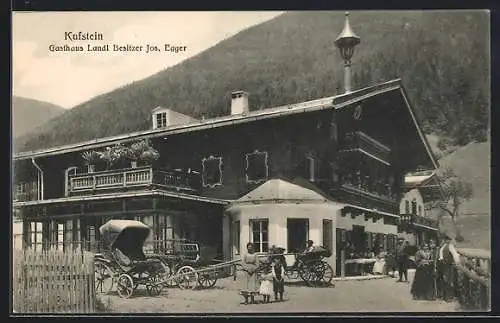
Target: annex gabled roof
[[280, 190], [418, 180], [333, 102]]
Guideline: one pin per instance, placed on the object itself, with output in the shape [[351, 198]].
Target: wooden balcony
[[368, 194], [418, 220], [360, 142], [358, 195], [134, 179]]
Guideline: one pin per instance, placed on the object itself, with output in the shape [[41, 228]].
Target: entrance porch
[[74, 223]]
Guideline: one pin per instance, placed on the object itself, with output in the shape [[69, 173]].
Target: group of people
[[262, 278], [267, 276], [434, 276]]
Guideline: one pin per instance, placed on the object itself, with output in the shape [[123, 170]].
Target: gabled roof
[[333, 102], [427, 182], [158, 108], [280, 190], [418, 180]]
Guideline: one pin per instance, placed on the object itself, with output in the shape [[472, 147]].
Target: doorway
[[298, 234]]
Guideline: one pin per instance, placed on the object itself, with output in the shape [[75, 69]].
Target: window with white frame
[[21, 188], [161, 119], [35, 235], [407, 207], [420, 210], [211, 171], [259, 235], [256, 166]]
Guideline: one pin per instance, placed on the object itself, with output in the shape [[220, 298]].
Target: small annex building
[[283, 214]]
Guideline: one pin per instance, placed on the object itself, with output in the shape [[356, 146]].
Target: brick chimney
[[239, 102]]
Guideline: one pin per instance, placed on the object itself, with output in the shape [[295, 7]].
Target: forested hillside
[[442, 58]]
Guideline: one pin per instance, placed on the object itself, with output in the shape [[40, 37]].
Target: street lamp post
[[346, 42]]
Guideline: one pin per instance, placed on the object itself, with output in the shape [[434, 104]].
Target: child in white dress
[[266, 285]]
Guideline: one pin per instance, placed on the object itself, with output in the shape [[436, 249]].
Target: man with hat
[[402, 260]]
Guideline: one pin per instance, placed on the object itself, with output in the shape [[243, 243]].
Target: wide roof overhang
[[328, 103]]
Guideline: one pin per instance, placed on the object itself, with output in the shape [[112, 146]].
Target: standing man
[[402, 260], [448, 256], [434, 259]]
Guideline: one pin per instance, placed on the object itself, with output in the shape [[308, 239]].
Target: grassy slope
[[472, 164]]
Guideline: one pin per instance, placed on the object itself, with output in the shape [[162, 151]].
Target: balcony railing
[[415, 219], [359, 141], [25, 192], [133, 178], [363, 191]]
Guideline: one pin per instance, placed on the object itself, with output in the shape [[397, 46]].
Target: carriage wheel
[[186, 278], [104, 278], [207, 279], [125, 286], [327, 273], [321, 273], [154, 287], [304, 273], [309, 273]]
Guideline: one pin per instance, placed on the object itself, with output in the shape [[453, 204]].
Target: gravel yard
[[377, 295]]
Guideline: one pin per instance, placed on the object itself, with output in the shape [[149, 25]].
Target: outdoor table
[[360, 263]]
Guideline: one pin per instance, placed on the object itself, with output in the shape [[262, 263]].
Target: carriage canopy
[[127, 235]]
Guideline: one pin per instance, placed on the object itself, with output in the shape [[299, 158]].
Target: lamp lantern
[[346, 42]]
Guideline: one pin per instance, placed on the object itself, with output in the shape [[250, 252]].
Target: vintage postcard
[[251, 162]]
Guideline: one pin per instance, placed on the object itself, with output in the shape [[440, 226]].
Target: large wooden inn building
[[331, 170]]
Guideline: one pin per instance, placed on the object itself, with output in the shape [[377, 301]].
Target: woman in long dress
[[250, 264], [422, 286], [379, 265]]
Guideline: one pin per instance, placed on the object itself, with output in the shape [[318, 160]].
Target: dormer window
[[211, 171], [256, 166], [161, 119]]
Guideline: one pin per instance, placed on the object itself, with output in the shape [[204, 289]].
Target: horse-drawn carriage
[[310, 266], [123, 260], [187, 265], [172, 262]]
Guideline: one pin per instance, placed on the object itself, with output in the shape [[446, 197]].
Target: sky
[[70, 78]]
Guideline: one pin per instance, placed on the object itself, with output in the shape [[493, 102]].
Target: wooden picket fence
[[53, 282]]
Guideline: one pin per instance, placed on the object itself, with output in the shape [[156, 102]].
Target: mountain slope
[[442, 57], [28, 114], [472, 164]]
